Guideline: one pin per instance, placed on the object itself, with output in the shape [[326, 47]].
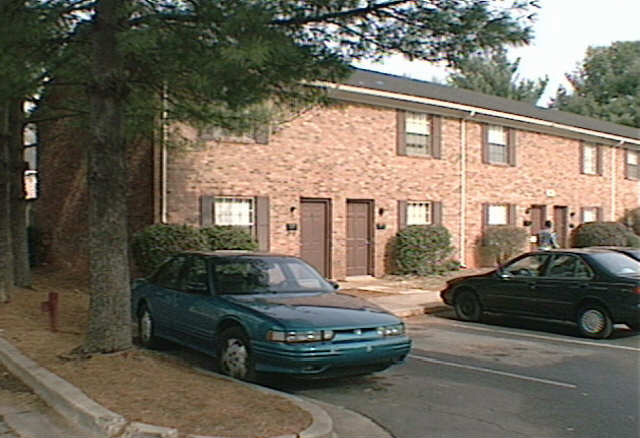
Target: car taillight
[[637, 290]]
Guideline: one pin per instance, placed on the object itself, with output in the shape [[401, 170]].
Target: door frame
[[370, 230], [327, 231]]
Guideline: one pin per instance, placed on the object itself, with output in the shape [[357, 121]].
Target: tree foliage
[[208, 61], [491, 72], [606, 85]]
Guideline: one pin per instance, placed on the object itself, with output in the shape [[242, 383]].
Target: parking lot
[[507, 377]]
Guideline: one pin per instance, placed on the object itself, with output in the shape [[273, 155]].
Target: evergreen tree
[[212, 59], [492, 73], [606, 85]]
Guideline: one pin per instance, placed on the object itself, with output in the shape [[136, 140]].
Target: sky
[[563, 31]]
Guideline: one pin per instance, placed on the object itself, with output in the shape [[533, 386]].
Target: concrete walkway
[[405, 297]]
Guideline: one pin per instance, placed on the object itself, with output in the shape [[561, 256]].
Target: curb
[[75, 406], [62, 396]]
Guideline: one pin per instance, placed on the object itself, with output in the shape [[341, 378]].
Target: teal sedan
[[262, 313]]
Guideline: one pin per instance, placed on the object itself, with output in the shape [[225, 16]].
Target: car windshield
[[617, 263], [249, 275]]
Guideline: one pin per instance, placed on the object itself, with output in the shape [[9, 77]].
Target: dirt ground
[[141, 385]]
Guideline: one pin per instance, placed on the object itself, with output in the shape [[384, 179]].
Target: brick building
[[335, 184]]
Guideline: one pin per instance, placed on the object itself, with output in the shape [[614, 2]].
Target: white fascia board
[[475, 110]]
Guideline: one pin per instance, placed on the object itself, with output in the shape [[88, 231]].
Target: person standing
[[547, 238]]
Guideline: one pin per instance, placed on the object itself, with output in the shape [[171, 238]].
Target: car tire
[[234, 355], [146, 329], [594, 322], [467, 306]]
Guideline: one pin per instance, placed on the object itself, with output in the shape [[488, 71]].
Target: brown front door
[[314, 233], [538, 215], [359, 237], [561, 224]]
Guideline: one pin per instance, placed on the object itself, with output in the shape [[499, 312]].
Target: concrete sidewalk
[[405, 296]]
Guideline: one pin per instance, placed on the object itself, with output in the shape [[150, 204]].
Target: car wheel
[[594, 322], [146, 329], [235, 358], [468, 307]]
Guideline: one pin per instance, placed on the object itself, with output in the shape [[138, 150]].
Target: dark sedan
[[631, 252], [265, 313], [594, 287]]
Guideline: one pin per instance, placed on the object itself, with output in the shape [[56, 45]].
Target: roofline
[[373, 84]]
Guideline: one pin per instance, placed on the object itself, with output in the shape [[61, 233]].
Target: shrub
[[632, 220], [603, 234], [226, 237], [423, 250], [151, 246], [501, 242]]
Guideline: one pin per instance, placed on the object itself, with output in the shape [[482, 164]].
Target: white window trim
[[413, 214]]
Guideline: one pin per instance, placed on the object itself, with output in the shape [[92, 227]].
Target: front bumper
[[330, 358]]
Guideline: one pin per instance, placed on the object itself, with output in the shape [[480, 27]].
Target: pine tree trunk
[[6, 255], [22, 269], [109, 327]]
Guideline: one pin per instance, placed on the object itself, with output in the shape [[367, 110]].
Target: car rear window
[[618, 264]]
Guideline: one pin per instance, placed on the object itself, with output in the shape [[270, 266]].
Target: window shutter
[[626, 164], [511, 146], [206, 211], [262, 223], [485, 143], [436, 213], [581, 157], [599, 159], [436, 136], [511, 218], [401, 137], [581, 215], [485, 215], [402, 215], [599, 214]]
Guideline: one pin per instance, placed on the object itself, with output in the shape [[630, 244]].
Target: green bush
[[423, 250], [226, 237], [603, 234], [501, 242], [151, 246], [632, 220]]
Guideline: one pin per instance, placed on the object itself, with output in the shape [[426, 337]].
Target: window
[[498, 145], [170, 275], [237, 212], [568, 266], [498, 214], [529, 266], [249, 213], [591, 214], [632, 168], [591, 159], [418, 134], [418, 213], [197, 277]]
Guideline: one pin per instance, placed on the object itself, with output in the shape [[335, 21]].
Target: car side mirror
[[335, 284]]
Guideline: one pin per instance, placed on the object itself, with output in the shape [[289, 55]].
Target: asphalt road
[[509, 378]]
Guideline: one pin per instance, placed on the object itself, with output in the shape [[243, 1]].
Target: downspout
[[463, 188], [163, 158], [613, 181]]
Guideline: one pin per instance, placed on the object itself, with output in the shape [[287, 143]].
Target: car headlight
[[292, 336], [391, 330]]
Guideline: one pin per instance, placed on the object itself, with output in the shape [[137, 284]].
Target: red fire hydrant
[[51, 306]]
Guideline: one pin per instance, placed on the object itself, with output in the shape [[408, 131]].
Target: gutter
[[474, 110]]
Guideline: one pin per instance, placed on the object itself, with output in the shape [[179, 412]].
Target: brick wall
[[349, 152]]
